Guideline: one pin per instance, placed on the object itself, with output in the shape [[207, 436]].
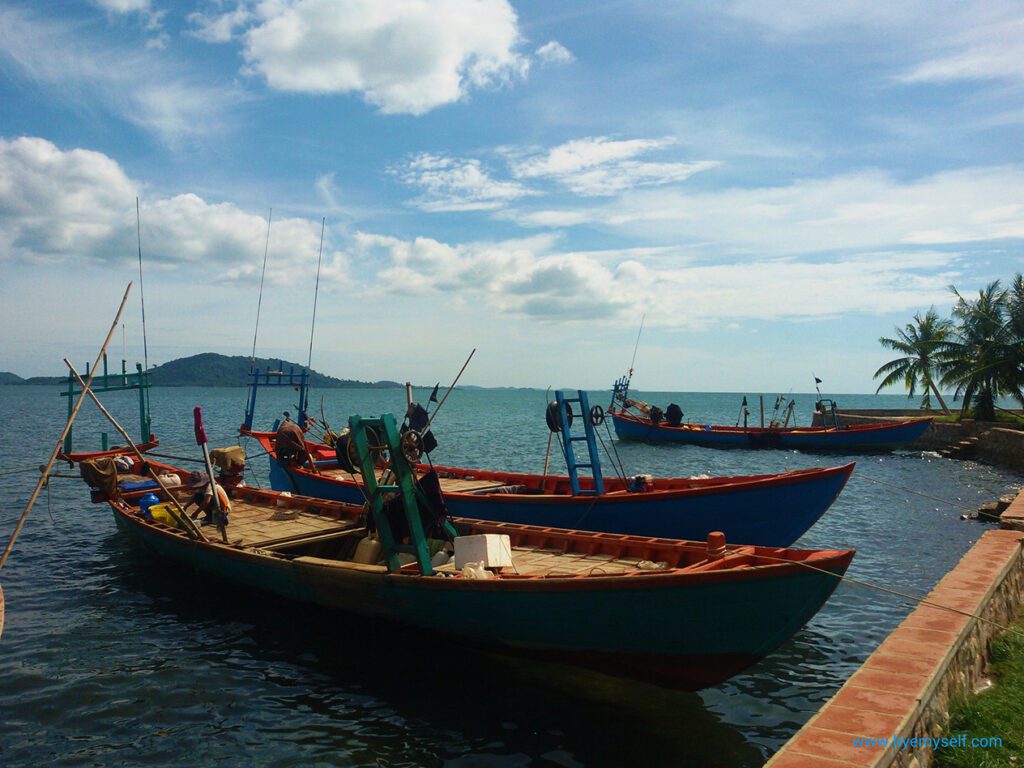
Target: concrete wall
[[905, 687], [1001, 446]]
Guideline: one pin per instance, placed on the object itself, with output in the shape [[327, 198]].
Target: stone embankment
[[998, 443], [893, 708]]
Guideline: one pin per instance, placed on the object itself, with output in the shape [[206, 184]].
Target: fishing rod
[[456, 381], [635, 348], [312, 326], [316, 293], [142, 290], [259, 302]]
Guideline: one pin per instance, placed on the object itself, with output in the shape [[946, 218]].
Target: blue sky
[[775, 185]]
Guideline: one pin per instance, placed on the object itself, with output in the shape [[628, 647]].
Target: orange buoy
[[716, 545]]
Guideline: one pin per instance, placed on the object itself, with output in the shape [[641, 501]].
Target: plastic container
[[146, 502], [162, 514], [367, 551]]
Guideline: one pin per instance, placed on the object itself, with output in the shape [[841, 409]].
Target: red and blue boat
[[677, 613], [772, 509], [635, 420]]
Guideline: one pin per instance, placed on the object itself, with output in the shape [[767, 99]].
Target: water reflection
[[367, 692]]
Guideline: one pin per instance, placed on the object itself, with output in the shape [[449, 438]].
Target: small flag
[[744, 401], [433, 395], [817, 380]]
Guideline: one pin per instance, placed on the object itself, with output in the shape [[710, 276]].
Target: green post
[[404, 487], [144, 423]]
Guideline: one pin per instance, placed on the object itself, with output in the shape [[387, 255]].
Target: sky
[[768, 186]]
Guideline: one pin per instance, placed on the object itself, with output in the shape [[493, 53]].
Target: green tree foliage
[[983, 360], [919, 342], [979, 352]]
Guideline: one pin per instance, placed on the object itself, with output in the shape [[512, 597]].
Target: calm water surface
[[109, 658]]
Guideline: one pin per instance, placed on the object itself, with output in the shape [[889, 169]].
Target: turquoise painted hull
[[687, 630]]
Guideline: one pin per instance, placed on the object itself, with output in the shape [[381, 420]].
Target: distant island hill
[[212, 370]]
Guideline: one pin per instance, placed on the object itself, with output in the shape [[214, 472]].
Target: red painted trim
[[123, 450]]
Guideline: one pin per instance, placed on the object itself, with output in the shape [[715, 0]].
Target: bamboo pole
[[67, 428], [177, 510]]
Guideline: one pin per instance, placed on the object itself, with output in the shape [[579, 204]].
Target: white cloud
[[403, 56], [866, 210], [944, 40], [457, 185], [530, 278], [553, 52], [219, 27], [136, 85], [57, 204], [123, 6], [67, 206], [599, 166], [990, 49]]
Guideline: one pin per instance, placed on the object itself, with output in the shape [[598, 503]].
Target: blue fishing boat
[[636, 420], [684, 614], [772, 510]]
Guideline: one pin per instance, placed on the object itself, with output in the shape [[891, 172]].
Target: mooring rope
[[917, 600], [918, 493], [34, 468]]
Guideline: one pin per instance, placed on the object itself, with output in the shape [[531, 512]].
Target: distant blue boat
[[883, 436], [636, 420]]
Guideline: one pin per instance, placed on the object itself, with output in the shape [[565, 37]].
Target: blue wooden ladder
[[564, 404]]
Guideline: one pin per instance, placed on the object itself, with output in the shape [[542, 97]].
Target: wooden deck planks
[[253, 525], [544, 562]]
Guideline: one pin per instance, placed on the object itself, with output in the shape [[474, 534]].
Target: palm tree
[[983, 359], [919, 342]]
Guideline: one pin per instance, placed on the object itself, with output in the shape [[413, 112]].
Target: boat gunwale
[[828, 560], [700, 487], [882, 426]]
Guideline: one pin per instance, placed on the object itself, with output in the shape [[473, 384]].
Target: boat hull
[[770, 511], [687, 630], [864, 437]]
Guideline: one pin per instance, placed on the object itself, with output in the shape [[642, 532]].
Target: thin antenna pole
[[259, 303], [637, 345], [142, 291], [316, 292]]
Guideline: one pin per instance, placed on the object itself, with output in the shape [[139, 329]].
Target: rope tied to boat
[[915, 599]]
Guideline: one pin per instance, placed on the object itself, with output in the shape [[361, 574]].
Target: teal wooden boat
[[686, 614]]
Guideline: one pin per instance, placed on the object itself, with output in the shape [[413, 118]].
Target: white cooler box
[[493, 550]]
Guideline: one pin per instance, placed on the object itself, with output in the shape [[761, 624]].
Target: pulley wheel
[[412, 446], [552, 418], [597, 415], [348, 455]]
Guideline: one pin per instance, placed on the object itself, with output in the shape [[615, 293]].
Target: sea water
[[111, 658]]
